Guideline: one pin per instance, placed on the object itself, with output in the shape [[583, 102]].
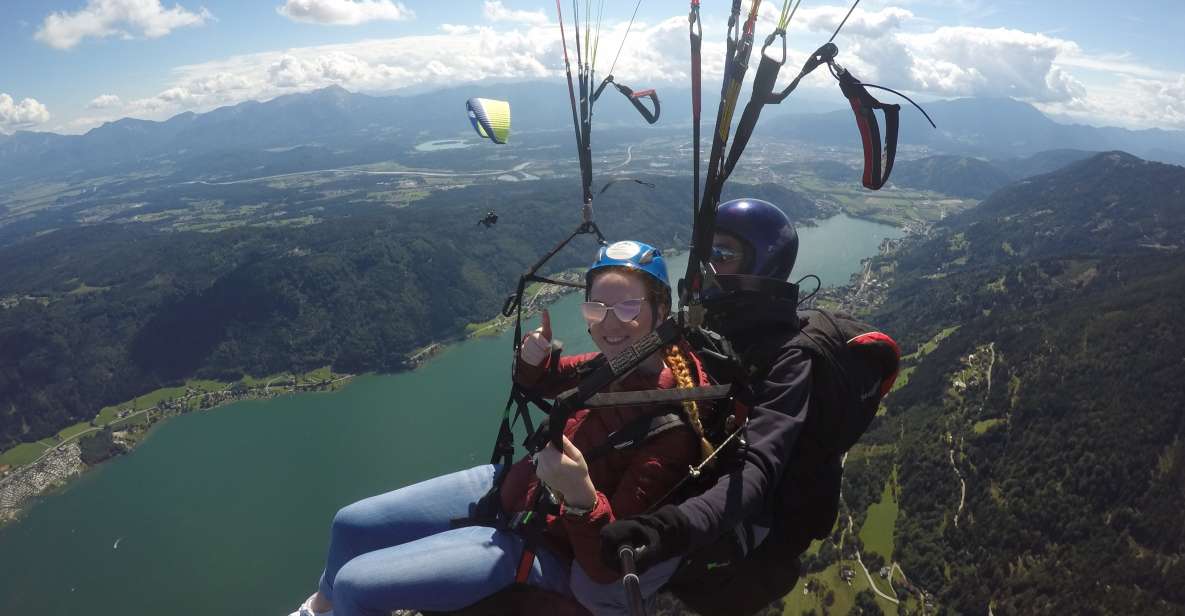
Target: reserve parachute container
[[490, 118]]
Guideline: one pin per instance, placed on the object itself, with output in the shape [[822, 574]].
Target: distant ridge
[[966, 176], [990, 128], [370, 126]]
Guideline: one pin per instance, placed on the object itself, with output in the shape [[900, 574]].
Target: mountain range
[[335, 127], [990, 128], [966, 176]]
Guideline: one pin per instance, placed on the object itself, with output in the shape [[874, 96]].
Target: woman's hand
[[537, 345], [566, 472]]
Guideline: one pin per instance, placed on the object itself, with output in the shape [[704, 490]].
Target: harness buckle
[[520, 519]]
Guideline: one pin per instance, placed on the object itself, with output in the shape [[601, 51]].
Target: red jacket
[[628, 482]]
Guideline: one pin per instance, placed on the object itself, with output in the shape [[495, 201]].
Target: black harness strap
[[659, 396], [514, 300], [568, 402], [635, 433], [616, 180], [634, 97], [739, 48], [763, 92]]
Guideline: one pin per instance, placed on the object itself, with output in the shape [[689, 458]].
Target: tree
[[866, 604]]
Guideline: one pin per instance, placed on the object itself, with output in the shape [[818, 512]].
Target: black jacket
[[749, 491]]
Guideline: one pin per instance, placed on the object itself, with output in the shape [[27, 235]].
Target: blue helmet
[[771, 243], [634, 255]]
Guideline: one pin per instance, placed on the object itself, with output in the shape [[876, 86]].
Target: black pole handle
[[633, 586]]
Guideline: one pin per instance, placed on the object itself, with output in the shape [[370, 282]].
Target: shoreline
[[62, 463]]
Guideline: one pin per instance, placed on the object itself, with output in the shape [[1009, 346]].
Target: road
[[434, 174], [866, 573], [629, 155], [963, 484], [64, 441]]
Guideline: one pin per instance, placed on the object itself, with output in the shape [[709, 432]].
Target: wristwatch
[[579, 512]]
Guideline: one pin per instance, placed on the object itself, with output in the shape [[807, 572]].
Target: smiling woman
[[445, 543]]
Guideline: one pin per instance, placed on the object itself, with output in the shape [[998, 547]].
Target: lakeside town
[[68, 458]]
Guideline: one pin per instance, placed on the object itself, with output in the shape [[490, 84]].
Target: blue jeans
[[398, 551]]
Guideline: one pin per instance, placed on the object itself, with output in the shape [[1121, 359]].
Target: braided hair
[[659, 298]]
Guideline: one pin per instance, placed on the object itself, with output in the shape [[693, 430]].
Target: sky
[[67, 66]]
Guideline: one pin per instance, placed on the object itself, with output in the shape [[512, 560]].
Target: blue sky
[[69, 65]]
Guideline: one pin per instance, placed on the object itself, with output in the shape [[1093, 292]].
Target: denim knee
[[348, 588], [350, 521]]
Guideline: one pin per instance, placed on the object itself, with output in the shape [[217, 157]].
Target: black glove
[[664, 534]]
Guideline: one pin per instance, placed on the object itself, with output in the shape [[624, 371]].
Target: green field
[[903, 377], [28, 452], [320, 374], [932, 344], [987, 424], [798, 602], [895, 205], [74, 430], [877, 532], [83, 289], [274, 379], [22, 454]]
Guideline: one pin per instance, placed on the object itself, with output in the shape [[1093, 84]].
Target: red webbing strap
[[524, 566], [870, 136], [878, 163]]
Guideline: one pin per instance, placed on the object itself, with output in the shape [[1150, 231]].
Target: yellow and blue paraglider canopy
[[490, 118]]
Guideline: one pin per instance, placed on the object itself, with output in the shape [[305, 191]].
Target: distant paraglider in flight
[[490, 219], [490, 118]]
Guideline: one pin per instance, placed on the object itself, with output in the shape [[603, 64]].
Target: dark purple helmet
[[771, 243]]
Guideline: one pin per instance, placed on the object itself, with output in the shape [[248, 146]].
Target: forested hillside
[[951, 175], [96, 315], [1044, 379]]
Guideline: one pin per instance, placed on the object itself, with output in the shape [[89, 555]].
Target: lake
[[227, 511]]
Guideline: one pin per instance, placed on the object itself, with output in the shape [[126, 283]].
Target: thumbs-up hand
[[537, 345], [566, 472]]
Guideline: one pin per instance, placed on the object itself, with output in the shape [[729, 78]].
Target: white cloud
[[1129, 102], [1053, 73], [964, 61], [105, 101], [868, 24], [1166, 100], [493, 10], [373, 65], [344, 12], [25, 114], [457, 30], [123, 18]]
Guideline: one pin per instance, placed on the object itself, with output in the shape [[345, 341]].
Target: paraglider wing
[[490, 118]]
